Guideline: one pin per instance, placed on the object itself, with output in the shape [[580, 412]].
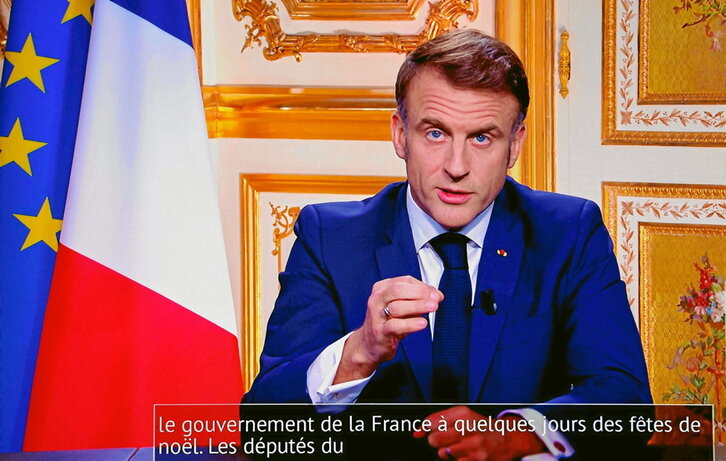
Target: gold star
[[27, 64], [15, 148], [79, 8], [43, 228]]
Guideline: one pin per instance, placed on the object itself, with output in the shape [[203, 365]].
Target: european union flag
[[40, 96]]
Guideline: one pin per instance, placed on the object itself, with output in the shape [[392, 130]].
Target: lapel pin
[[502, 253]]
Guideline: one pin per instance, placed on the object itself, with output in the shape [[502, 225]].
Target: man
[[359, 317]]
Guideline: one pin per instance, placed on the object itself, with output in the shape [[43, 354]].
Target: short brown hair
[[467, 59]]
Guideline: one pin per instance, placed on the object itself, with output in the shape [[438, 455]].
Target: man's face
[[457, 144]]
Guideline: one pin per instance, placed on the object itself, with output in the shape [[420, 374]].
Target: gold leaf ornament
[[443, 16]]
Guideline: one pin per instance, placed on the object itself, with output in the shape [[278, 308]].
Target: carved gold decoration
[[564, 66], [5, 6], [353, 10], [620, 99], [626, 205], [251, 186], [284, 223], [443, 16]]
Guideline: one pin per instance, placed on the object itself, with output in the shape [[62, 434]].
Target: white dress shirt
[[322, 371]]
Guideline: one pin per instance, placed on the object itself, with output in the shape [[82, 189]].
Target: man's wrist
[[355, 362], [523, 443], [556, 444], [320, 385]]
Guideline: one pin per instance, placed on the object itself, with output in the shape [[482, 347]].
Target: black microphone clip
[[484, 300]]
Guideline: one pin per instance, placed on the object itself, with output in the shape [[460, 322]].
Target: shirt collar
[[424, 227]]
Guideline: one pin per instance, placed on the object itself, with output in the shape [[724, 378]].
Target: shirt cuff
[[320, 377], [556, 443]]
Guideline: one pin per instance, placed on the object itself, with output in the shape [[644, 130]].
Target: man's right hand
[[407, 300]]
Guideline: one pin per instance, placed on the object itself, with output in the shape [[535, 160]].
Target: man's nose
[[457, 164]]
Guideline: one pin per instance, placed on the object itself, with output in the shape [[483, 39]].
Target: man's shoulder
[[549, 208], [355, 213]]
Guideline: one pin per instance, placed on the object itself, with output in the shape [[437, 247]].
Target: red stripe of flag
[[110, 350]]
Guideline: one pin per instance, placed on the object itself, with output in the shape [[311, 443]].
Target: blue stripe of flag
[[168, 15], [50, 117]]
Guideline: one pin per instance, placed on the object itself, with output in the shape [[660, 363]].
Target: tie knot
[[451, 248]]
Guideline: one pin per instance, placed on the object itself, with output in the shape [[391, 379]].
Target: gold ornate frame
[[626, 205], [251, 185], [620, 99], [251, 112], [265, 24]]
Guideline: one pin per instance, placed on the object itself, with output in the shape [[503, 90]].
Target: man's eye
[[481, 139], [435, 134]]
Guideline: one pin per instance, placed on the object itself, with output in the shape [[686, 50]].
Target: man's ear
[[515, 145], [398, 134]]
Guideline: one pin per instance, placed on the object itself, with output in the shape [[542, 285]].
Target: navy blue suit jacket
[[562, 331]]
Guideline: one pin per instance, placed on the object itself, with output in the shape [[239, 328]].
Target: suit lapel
[[498, 273], [397, 258]]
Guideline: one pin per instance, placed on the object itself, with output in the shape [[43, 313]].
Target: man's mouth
[[453, 196]]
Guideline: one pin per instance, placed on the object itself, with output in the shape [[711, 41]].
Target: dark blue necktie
[[452, 325]]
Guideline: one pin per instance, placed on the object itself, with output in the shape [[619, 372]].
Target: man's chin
[[453, 223]]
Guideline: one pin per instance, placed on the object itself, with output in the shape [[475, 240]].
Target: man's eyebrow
[[430, 122], [492, 128]]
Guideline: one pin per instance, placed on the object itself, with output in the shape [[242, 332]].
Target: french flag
[[140, 309]]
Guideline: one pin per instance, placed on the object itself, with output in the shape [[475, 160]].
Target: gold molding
[[611, 191], [298, 113], [564, 64], [528, 27], [443, 16], [369, 10], [251, 185], [618, 78]]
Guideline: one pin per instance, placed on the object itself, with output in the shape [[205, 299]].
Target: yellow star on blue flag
[[14, 148], [42, 227], [28, 64], [78, 8]]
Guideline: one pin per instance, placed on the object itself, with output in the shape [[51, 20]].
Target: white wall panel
[[582, 161]]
